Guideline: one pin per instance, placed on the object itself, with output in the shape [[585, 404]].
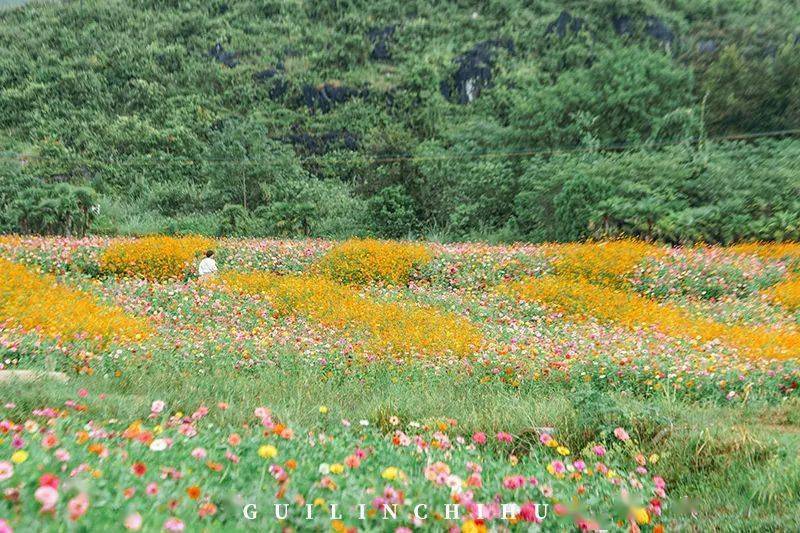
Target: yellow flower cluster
[[607, 263], [39, 302], [394, 329], [156, 257], [768, 250], [581, 299], [786, 293], [369, 260]]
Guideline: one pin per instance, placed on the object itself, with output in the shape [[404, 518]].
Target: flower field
[[391, 386]]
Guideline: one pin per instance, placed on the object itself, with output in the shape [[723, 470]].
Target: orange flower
[[53, 309], [216, 467], [207, 509], [154, 257], [193, 492], [392, 328], [96, 448], [291, 464], [368, 260]]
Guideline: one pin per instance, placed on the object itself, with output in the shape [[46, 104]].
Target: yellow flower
[[155, 257], [61, 311], [654, 458], [267, 451], [19, 456], [563, 450], [470, 526], [391, 473], [369, 260], [582, 298], [396, 329], [337, 468], [641, 516], [319, 502], [323, 409]]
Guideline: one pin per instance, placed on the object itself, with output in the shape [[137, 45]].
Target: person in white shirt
[[208, 267]]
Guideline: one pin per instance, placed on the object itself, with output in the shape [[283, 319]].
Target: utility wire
[[398, 158]]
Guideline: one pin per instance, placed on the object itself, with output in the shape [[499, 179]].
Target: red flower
[[49, 480], [138, 469]]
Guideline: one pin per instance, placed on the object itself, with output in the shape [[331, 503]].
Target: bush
[[392, 211], [155, 257], [369, 260]]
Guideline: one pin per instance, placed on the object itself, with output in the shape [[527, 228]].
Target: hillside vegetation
[[504, 119]]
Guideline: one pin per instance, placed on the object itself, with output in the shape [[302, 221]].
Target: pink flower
[[151, 489], [62, 455], [199, 453], [527, 513], [513, 482], [4, 527], [173, 524], [599, 451], [502, 436], [133, 522], [6, 470], [78, 506], [479, 438], [544, 438], [47, 496], [83, 393], [621, 434], [157, 407]]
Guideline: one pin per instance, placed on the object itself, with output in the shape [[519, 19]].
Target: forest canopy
[[500, 119]]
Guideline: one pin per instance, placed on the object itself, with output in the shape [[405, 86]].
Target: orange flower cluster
[[362, 261], [393, 329], [786, 293], [607, 263], [580, 298], [155, 257], [768, 250], [40, 303]]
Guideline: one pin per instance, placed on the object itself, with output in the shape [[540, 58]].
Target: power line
[[402, 157]]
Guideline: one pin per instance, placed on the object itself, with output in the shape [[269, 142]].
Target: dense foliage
[[504, 119]]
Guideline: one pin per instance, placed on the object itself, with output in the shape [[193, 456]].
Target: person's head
[[209, 253]]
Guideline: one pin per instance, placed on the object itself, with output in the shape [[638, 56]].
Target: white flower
[[158, 445], [364, 423], [324, 469], [157, 406], [454, 482]]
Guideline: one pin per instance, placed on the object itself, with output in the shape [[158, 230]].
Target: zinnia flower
[[6, 470], [47, 496], [173, 524], [133, 522], [78, 506], [267, 451]]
